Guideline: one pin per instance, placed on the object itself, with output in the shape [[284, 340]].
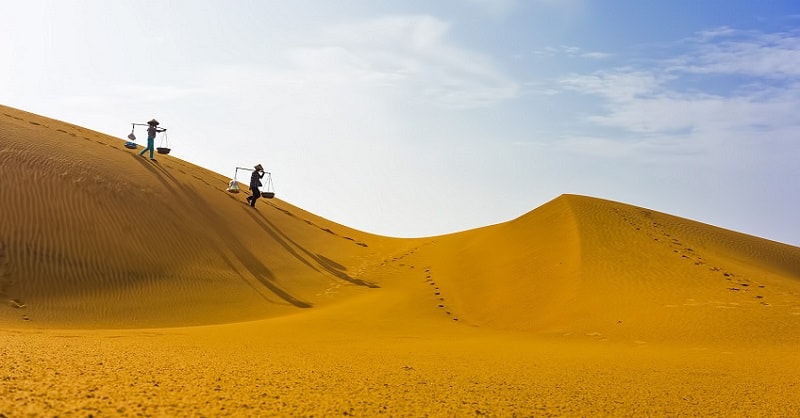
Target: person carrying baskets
[[152, 130], [255, 184]]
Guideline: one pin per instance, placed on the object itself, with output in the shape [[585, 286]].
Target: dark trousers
[[255, 196]]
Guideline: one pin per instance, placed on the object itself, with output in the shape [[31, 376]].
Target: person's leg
[[151, 143], [256, 195]]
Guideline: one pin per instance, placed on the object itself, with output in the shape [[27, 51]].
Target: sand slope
[[580, 264], [132, 286], [94, 235]]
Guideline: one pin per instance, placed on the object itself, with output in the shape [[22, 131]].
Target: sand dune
[[581, 264], [99, 233], [132, 286]]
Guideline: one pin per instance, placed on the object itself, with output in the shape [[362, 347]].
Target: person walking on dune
[[151, 137], [255, 184]]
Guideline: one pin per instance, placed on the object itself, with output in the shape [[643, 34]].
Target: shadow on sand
[[333, 268], [216, 225]]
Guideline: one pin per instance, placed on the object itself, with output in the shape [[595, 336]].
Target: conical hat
[[258, 167], [153, 122]]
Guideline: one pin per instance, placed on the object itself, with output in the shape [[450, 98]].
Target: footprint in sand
[[436, 292], [16, 303]]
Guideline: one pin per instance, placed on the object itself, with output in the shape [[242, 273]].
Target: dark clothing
[[255, 178], [255, 184]]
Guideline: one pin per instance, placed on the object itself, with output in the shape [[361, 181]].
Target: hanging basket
[[164, 148], [233, 185], [270, 189], [130, 145]]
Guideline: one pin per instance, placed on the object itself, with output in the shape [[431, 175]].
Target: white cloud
[[597, 55], [669, 100], [622, 85], [571, 51], [729, 51], [412, 54]]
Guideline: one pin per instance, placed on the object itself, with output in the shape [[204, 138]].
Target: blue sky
[[417, 118]]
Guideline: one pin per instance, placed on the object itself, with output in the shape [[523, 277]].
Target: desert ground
[[135, 287]]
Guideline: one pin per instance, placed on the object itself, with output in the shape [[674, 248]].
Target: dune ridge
[[137, 287]]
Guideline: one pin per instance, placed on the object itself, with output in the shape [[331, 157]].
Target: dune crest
[[587, 266]]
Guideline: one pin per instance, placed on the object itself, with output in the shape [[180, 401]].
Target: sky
[[417, 118]]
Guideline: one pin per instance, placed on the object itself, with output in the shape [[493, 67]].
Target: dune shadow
[[330, 266], [338, 270], [328, 230], [330, 263], [152, 168], [278, 237], [216, 225]]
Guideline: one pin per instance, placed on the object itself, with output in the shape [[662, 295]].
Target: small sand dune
[[132, 287]]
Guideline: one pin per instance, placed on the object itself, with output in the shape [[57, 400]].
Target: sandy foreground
[[132, 287], [254, 370]]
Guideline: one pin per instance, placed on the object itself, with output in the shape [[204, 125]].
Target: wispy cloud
[[570, 51], [412, 54], [597, 55], [726, 84], [729, 51]]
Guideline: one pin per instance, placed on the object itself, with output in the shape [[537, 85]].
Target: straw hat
[[259, 168], [153, 122]]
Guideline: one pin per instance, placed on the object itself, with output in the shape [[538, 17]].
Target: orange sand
[[136, 287]]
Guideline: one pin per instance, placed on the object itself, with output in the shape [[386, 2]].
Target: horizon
[[411, 119]]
